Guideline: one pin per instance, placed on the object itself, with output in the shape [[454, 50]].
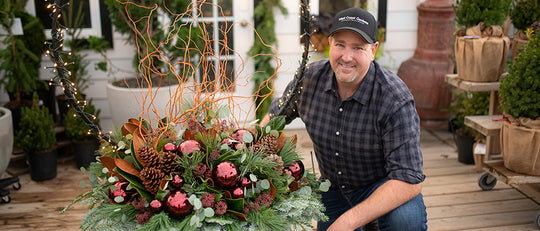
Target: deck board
[[451, 193]]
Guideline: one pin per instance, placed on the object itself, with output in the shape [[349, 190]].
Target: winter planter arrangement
[[520, 93], [209, 175]]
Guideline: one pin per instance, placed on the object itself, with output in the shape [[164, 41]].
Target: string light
[[59, 67]]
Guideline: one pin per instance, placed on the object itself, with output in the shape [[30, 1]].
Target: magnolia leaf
[[127, 167]]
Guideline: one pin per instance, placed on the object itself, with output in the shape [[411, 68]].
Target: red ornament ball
[[177, 204], [169, 147], [225, 174], [238, 193], [177, 181], [297, 170], [120, 191], [246, 182], [155, 206], [189, 146]]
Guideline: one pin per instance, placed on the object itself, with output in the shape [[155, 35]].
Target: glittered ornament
[[155, 206], [177, 204], [225, 174], [189, 146], [297, 170], [246, 182], [238, 193], [177, 181], [119, 194], [169, 147]]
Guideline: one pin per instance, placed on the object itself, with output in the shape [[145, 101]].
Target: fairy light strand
[[61, 72], [305, 19]]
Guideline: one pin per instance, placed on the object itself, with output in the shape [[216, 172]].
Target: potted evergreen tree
[[467, 104], [37, 137], [523, 15], [20, 61], [481, 47], [84, 141], [520, 93]]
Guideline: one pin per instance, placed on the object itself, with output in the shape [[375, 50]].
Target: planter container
[[6, 138], [520, 148], [481, 58], [43, 164], [125, 103], [85, 152], [465, 147]]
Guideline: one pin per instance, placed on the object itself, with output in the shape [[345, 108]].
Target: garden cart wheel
[[487, 181]]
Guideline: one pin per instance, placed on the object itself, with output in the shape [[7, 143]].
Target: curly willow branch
[[59, 67]]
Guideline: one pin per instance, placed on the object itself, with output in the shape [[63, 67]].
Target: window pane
[[226, 7], [207, 9], [73, 10], [228, 78], [225, 28]]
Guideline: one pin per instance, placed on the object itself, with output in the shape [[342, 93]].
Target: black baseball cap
[[357, 20]]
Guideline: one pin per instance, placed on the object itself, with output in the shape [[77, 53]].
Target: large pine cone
[[151, 178], [268, 144], [148, 156], [169, 163]]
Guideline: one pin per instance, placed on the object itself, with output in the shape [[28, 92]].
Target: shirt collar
[[363, 94]]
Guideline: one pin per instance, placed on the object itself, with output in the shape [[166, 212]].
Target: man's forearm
[[386, 198]]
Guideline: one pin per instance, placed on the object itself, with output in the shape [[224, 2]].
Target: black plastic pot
[[85, 152], [43, 164], [465, 146]]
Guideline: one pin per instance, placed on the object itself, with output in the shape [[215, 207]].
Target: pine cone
[[268, 144], [169, 163], [151, 178], [194, 126], [148, 156]]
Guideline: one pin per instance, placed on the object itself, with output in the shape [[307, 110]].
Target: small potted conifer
[[37, 137], [520, 93], [523, 15], [481, 47], [84, 141]]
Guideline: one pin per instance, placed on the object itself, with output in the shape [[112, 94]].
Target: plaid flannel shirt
[[371, 135]]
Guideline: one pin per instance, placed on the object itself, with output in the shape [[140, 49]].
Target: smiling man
[[365, 129]]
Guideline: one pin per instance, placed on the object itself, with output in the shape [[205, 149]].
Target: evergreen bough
[[525, 13], [520, 89], [471, 12]]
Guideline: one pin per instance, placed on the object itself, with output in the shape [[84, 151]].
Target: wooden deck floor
[[452, 196]]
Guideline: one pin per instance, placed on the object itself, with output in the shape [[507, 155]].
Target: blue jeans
[[409, 216]]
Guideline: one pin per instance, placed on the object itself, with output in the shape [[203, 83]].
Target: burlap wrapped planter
[[481, 53], [520, 39], [520, 145]]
